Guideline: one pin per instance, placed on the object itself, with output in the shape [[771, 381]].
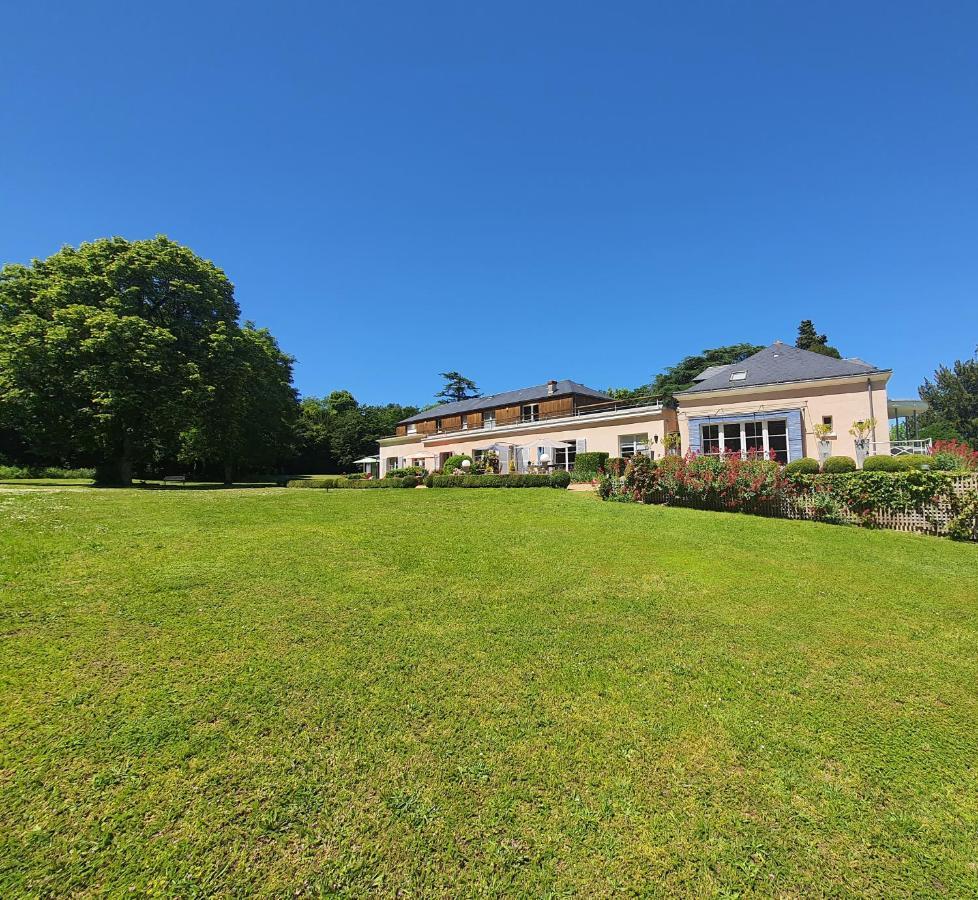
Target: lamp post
[[545, 460]]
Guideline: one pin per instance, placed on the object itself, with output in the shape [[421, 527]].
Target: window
[[732, 442], [564, 456], [465, 422], [531, 412], [412, 428], [489, 419], [630, 444], [711, 438], [437, 424], [391, 463], [754, 436], [761, 436], [738, 376], [827, 420], [418, 461], [777, 439]]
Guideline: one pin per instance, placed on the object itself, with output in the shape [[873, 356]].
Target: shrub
[[556, 480], [14, 472], [560, 479], [455, 462], [836, 465], [341, 483], [883, 464], [416, 471], [410, 481], [615, 466], [804, 466], [355, 476], [640, 477], [590, 462], [954, 455], [579, 477], [915, 462]]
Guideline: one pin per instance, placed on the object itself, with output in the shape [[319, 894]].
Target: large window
[[489, 419], [531, 412], [564, 456], [761, 435], [630, 444]]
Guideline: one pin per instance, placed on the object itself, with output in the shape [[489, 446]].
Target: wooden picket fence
[[933, 518]]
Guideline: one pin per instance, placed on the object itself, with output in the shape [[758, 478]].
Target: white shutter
[[582, 445]]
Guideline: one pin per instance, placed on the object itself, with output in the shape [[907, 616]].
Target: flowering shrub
[[954, 455], [732, 480]]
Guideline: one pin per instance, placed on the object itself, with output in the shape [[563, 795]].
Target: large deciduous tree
[[118, 349]]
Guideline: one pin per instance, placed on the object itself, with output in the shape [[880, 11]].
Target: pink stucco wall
[[844, 402]]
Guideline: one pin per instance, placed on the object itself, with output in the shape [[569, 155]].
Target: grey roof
[[507, 398], [710, 372], [779, 364]]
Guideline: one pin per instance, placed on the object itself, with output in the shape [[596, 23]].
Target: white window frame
[[534, 412], [740, 429], [489, 419], [639, 444], [412, 428]]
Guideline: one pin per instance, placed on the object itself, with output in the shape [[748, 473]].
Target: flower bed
[[924, 501]]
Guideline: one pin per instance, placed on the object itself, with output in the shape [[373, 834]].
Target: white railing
[[904, 448]]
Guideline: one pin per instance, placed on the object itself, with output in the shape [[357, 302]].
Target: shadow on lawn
[[139, 485]]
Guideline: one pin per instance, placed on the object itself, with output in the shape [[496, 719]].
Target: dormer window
[[738, 376]]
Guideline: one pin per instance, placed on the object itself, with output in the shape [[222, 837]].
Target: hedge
[[883, 464], [804, 466], [346, 484], [836, 465], [590, 462], [556, 480], [15, 472]]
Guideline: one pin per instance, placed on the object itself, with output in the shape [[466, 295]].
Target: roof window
[[738, 376]]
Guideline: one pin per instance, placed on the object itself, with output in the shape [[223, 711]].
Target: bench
[[174, 479]]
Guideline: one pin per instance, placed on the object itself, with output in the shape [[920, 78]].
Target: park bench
[[174, 479]]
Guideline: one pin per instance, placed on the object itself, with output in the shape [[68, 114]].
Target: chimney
[[551, 387]]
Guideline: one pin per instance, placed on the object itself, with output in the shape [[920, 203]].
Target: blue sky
[[518, 191]]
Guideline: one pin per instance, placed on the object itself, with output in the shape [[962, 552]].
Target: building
[[770, 402]]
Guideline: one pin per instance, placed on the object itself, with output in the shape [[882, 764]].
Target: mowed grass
[[460, 693]]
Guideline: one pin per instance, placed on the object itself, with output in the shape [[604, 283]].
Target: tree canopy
[[457, 387], [130, 352], [953, 400], [809, 339], [680, 376]]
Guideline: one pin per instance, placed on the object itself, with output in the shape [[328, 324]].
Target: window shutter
[[582, 445]]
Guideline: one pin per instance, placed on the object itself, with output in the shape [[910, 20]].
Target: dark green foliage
[[681, 375], [15, 472], [455, 462], [590, 462], [615, 466], [341, 483], [417, 471], [804, 466], [953, 399], [457, 387], [883, 464], [810, 339], [556, 480], [837, 464]]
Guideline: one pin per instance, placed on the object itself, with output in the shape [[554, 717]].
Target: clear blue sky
[[520, 191]]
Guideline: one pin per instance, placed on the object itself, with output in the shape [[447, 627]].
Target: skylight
[[738, 376]]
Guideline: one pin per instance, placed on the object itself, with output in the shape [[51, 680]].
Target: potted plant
[[822, 432], [861, 430]]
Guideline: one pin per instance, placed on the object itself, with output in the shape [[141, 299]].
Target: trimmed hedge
[[883, 464], [556, 480], [804, 466], [345, 484], [455, 462], [590, 462], [837, 465]]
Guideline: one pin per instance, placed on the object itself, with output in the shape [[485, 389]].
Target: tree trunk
[[117, 471], [228, 472]]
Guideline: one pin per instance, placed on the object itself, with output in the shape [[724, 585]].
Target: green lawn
[[462, 692]]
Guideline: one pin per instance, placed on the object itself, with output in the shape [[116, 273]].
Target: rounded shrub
[[914, 463], [836, 465], [455, 462], [883, 464], [410, 481], [560, 479], [804, 466]]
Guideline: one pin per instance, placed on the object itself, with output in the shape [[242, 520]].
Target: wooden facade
[[548, 408]]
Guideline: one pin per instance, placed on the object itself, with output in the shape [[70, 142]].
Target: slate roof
[[507, 398], [778, 364]]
